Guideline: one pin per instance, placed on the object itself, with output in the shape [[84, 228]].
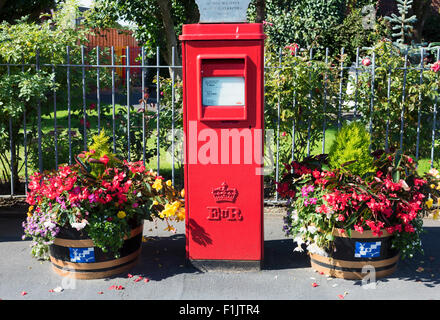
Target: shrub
[[350, 150]]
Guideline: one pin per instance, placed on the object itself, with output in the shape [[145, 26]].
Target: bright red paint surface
[[233, 50]]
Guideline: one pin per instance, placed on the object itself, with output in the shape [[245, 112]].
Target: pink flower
[[358, 228], [366, 62], [436, 66], [293, 48], [104, 159]]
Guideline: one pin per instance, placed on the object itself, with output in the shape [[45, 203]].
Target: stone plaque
[[222, 10]]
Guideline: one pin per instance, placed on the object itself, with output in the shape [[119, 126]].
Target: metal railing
[[145, 67]]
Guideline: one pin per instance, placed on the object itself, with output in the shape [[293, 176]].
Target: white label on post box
[[223, 91]]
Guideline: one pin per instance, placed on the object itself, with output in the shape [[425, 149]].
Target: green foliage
[[305, 22], [23, 88], [415, 103], [352, 34], [48, 149], [402, 24], [299, 88], [10, 10], [146, 15], [352, 144]]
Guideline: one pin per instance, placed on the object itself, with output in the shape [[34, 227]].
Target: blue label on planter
[[367, 249], [82, 255]]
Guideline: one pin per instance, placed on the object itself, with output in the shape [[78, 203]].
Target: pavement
[[286, 275]]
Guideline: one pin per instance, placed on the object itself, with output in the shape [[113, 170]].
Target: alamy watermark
[[226, 146]]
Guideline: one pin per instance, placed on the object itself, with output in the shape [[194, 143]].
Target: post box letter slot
[[222, 88]]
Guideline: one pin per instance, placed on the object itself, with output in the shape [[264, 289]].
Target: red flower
[[322, 209], [314, 284], [316, 174], [409, 228], [366, 62], [436, 66], [358, 228], [104, 159]]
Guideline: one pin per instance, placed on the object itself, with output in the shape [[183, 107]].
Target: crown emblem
[[225, 194]]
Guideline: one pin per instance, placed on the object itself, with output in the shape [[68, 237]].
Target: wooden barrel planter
[[352, 254], [74, 255]]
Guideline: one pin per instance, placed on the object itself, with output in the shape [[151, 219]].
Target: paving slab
[[286, 275]]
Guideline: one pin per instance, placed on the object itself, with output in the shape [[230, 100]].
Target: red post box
[[223, 108]]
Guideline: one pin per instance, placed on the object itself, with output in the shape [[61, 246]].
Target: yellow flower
[[436, 214], [181, 214], [155, 203], [182, 193], [169, 183], [121, 214], [429, 203], [29, 213], [176, 205], [432, 186], [157, 184]]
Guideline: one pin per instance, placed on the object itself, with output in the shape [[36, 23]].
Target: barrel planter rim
[[351, 267], [102, 265]]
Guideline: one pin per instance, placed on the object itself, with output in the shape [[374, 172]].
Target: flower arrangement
[[100, 195], [433, 180], [321, 200]]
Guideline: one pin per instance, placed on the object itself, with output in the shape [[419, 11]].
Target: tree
[[158, 21], [22, 89], [402, 24], [10, 10]]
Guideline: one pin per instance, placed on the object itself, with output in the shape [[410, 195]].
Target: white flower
[[79, 225], [313, 248], [49, 224], [298, 240], [311, 229], [299, 249], [295, 216], [302, 230]]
